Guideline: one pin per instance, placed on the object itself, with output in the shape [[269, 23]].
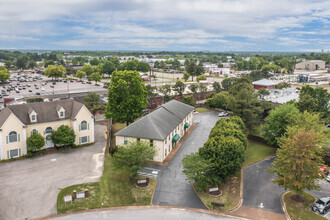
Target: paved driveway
[[172, 188], [259, 191], [29, 187]]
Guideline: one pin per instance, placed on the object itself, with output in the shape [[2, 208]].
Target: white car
[[42, 89], [223, 114]]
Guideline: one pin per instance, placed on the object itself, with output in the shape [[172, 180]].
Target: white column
[[1, 148], [24, 140], [92, 129], [74, 129]]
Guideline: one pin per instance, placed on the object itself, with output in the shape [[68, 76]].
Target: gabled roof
[[158, 124], [46, 111], [264, 82]]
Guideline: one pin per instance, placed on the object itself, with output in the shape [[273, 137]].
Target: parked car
[[223, 114], [324, 170], [328, 177], [42, 89], [30, 90], [322, 205], [37, 93]]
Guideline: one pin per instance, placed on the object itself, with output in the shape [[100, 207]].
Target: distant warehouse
[[311, 65]]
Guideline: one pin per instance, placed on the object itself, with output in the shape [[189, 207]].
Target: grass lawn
[[231, 189], [115, 188], [298, 210], [256, 151], [201, 110]]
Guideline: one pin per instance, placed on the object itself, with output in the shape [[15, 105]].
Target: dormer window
[[60, 111], [33, 116]]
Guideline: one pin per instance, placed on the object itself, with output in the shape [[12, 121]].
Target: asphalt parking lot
[[324, 192], [172, 188], [29, 187]]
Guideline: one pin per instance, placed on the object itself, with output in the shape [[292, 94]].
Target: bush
[[31, 100], [189, 100], [200, 78]]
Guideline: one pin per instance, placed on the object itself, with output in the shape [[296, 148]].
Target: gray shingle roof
[[46, 111], [158, 124]]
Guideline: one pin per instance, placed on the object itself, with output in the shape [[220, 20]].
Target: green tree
[[108, 68], [200, 78], [92, 100], [298, 159], [143, 67], [4, 74], [127, 96], [8, 63], [32, 64], [35, 142], [189, 100], [22, 62], [277, 122], [55, 71], [196, 169], [88, 69], [166, 91], [263, 92], [133, 156], [220, 100], [308, 103], [96, 76], [186, 76], [193, 88], [80, 74], [216, 87], [227, 83], [94, 62], [225, 156], [49, 62], [151, 93], [63, 136], [321, 98], [179, 87], [257, 75]]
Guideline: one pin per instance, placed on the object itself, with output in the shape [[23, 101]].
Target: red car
[[324, 170]]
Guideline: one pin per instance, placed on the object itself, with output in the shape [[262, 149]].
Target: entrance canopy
[[175, 138], [186, 125]]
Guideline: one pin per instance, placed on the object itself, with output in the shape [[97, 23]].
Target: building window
[[61, 114], [13, 137], [83, 126], [84, 139], [13, 153], [34, 131], [165, 152], [48, 130], [125, 140], [151, 143], [165, 140], [33, 118]]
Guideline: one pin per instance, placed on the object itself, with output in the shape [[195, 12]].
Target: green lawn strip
[[256, 151], [115, 189], [201, 110], [231, 189], [92, 202], [297, 210]]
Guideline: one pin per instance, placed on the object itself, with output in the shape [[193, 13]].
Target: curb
[[284, 207], [200, 197], [143, 207], [152, 197]]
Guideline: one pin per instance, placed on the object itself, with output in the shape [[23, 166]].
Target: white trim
[[75, 130], [1, 149], [92, 130], [24, 140]]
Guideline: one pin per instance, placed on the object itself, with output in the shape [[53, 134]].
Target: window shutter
[[7, 154], [18, 137], [88, 139], [7, 139], [19, 152], [79, 127], [87, 126]]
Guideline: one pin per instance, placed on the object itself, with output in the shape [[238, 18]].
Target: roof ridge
[[171, 112], [155, 127]]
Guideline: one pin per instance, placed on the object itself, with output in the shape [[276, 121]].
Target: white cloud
[[162, 23]]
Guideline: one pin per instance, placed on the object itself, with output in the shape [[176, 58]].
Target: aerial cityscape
[[139, 109]]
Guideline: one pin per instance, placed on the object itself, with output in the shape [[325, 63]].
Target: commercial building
[[264, 83], [311, 65], [18, 122], [162, 128]]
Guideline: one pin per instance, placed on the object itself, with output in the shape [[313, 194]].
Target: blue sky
[[189, 25]]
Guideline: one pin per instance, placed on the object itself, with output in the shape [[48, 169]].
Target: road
[[145, 214], [172, 188], [29, 187]]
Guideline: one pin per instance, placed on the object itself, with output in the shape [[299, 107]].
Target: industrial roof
[[264, 82]]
